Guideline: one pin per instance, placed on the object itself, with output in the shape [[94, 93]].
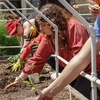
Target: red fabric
[[76, 37], [11, 27], [40, 56], [28, 49]]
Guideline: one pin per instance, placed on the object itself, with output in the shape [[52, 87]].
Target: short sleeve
[[97, 27]]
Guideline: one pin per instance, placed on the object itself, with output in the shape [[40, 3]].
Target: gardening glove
[[34, 47], [18, 66], [32, 33]]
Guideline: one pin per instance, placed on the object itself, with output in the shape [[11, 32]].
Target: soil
[[22, 91]]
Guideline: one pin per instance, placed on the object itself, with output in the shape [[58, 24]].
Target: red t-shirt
[[76, 37]]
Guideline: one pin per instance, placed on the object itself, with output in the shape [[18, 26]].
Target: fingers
[[18, 65], [93, 10], [40, 97], [32, 31], [15, 68], [32, 34], [75, 7], [43, 98], [45, 95]]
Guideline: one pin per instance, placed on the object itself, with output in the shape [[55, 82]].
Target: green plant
[[31, 81], [13, 59], [2, 16], [33, 88], [10, 41]]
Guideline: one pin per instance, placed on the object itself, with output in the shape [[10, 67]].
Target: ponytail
[[11, 17]]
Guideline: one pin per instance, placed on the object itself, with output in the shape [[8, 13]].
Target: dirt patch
[[22, 91]]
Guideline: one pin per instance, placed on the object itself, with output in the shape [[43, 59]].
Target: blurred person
[[16, 26]]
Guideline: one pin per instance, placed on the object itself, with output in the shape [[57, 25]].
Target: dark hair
[[43, 2], [37, 25], [11, 17], [58, 16]]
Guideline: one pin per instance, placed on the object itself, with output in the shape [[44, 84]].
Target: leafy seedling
[[33, 88]]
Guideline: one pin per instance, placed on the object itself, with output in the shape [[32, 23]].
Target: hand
[[33, 33], [94, 10], [18, 66], [45, 95], [75, 7]]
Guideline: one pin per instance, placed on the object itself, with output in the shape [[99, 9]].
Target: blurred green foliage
[[7, 41]]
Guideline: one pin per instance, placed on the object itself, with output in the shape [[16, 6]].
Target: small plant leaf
[[33, 89], [27, 82]]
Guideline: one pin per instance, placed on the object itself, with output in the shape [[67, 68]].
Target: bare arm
[[71, 71], [26, 27]]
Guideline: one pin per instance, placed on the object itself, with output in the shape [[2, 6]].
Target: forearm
[[66, 77]]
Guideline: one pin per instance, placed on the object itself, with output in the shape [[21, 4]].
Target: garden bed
[[22, 91]]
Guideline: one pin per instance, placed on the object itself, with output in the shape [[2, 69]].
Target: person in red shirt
[[77, 64], [71, 37], [26, 33], [15, 24]]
